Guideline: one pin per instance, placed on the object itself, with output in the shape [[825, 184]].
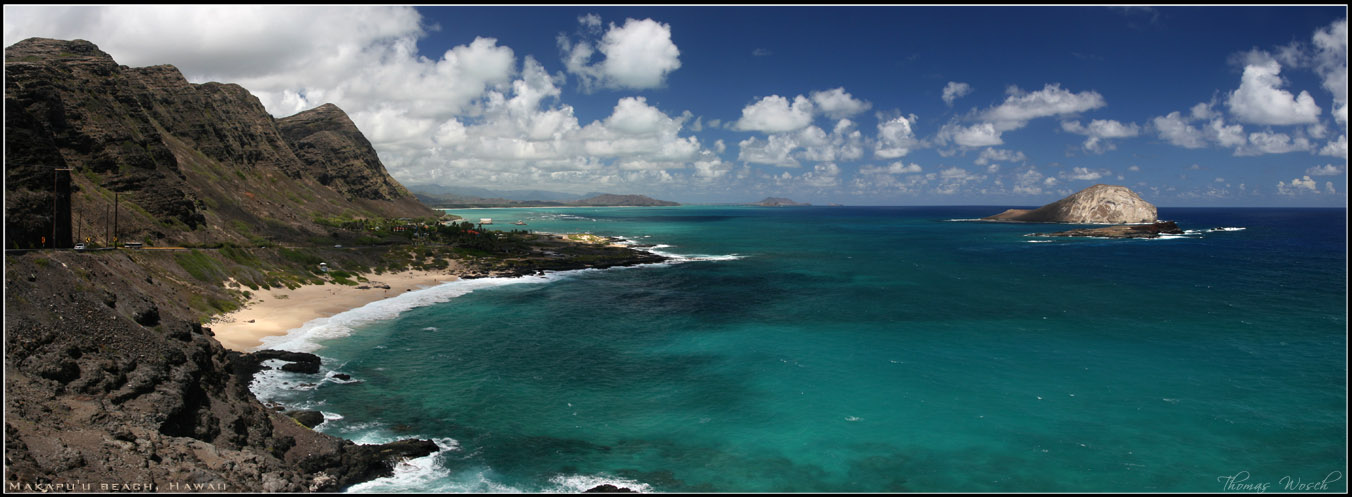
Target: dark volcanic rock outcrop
[[307, 417], [1098, 204], [246, 365], [94, 395], [607, 488], [1153, 230]]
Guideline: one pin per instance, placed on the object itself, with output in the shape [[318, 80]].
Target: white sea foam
[[1214, 230], [269, 384], [575, 484], [681, 258], [368, 426], [427, 474], [308, 337], [418, 474], [430, 328]]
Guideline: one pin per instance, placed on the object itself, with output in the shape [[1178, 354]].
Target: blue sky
[[1205, 106]]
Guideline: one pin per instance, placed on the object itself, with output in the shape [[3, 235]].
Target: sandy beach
[[279, 310]]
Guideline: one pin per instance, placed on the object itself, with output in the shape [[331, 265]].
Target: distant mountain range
[[460, 196], [470, 192]]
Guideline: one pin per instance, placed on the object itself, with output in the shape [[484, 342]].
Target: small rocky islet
[[1132, 216]]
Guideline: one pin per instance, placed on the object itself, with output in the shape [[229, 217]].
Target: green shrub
[[239, 255], [300, 257], [201, 266]]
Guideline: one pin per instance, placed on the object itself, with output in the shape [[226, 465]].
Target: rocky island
[[1098, 204], [779, 202], [114, 380]]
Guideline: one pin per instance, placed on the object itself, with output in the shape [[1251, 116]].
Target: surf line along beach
[[277, 311]]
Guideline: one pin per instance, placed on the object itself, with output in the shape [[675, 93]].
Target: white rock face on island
[[1098, 204]]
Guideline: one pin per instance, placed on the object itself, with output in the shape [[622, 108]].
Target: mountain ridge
[[186, 162]]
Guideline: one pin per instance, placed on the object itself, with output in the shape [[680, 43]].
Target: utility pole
[[115, 206], [61, 212], [55, 196]]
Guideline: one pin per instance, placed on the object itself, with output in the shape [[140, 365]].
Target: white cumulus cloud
[[1030, 182], [1267, 142], [775, 114], [976, 135], [1327, 170], [811, 144], [637, 55], [896, 137], [1100, 131], [1331, 64], [1336, 148], [1015, 112], [1051, 100], [952, 179], [822, 176], [991, 155], [1083, 174], [955, 90], [1298, 186], [837, 104], [893, 168], [1260, 99], [1175, 129]]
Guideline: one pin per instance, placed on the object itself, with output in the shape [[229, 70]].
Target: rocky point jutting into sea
[[111, 380]]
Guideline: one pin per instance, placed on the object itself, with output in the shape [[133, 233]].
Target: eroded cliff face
[[1098, 204], [332, 147], [109, 377], [190, 162]]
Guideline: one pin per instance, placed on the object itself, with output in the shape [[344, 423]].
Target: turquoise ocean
[[861, 349]]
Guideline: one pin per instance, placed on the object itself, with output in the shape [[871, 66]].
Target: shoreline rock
[[1153, 230]]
